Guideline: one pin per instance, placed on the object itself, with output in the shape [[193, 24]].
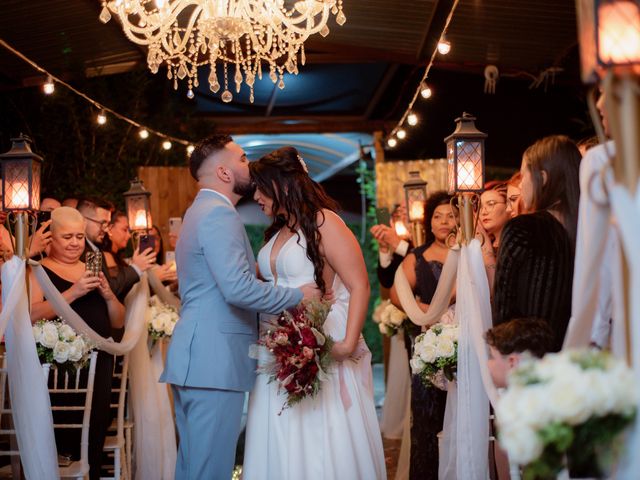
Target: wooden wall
[[172, 191], [391, 175]]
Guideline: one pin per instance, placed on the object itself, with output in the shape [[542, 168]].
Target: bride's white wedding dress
[[332, 436]]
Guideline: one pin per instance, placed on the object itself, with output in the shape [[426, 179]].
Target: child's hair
[[519, 335]]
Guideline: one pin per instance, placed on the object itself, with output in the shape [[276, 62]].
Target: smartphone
[[146, 241], [93, 263], [175, 224], [169, 256], [42, 217], [383, 216]]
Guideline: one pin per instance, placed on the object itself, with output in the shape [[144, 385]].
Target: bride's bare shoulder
[[326, 217]]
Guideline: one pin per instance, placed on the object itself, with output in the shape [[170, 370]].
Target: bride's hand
[[341, 351]]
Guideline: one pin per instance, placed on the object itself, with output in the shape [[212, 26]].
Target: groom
[[208, 364]]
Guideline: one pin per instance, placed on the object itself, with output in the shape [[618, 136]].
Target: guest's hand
[[310, 291], [41, 239], [145, 260], [166, 273], [104, 288], [384, 234], [173, 240], [85, 284]]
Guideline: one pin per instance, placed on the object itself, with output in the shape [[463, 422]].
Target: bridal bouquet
[[389, 318], [572, 404], [162, 320], [435, 355], [301, 350], [59, 344]]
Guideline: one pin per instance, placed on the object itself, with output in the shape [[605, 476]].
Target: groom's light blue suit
[[208, 360]]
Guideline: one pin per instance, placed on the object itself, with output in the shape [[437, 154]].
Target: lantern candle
[[618, 32], [140, 222], [416, 210], [19, 199]]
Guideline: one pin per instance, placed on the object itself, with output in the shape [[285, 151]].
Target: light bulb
[[392, 142], [412, 119], [101, 118], [444, 46], [190, 149], [144, 133], [49, 86], [401, 134], [425, 90], [166, 145]]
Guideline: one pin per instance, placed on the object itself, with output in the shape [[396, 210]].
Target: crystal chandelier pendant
[[186, 34]]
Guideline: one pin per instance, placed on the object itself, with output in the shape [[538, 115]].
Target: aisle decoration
[[301, 350], [572, 405], [389, 318], [59, 344], [435, 355], [162, 319]]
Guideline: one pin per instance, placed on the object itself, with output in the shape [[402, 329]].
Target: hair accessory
[[304, 165]]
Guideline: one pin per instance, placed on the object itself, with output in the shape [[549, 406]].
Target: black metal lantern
[[21, 176], [465, 157], [609, 32], [138, 207], [415, 191]]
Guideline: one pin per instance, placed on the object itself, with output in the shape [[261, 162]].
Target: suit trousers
[[208, 422]]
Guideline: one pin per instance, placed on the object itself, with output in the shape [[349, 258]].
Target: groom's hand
[[310, 291]]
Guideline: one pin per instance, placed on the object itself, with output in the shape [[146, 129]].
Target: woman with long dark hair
[[422, 267], [335, 434], [534, 271]]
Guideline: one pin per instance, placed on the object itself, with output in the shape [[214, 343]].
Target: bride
[[334, 435]]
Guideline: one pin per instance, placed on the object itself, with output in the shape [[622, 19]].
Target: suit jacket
[[220, 297]]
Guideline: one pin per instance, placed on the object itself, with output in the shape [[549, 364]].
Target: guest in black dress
[[534, 271], [423, 266], [92, 299]]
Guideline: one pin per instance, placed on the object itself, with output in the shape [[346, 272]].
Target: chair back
[[120, 387]]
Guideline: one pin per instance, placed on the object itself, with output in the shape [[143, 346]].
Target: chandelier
[[240, 34]]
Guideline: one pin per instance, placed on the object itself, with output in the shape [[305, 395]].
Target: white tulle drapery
[[468, 413], [149, 399], [398, 389], [28, 389]]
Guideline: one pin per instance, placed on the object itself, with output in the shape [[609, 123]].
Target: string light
[[102, 108], [425, 90], [166, 145], [392, 142], [101, 118], [48, 86], [408, 116], [401, 134], [444, 45], [190, 149], [144, 133]]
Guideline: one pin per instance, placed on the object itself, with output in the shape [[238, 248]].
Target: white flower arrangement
[[573, 404], [162, 319], [435, 355], [59, 344], [389, 318]]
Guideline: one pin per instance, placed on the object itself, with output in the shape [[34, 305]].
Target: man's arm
[[221, 235]]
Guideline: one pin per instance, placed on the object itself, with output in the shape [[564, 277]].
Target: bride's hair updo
[[282, 176]]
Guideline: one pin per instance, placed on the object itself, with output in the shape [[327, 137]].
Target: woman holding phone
[[91, 298]]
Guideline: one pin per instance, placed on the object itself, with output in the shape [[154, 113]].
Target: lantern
[[465, 157], [138, 208], [609, 32], [21, 176], [415, 190]]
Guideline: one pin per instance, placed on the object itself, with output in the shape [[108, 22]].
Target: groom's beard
[[243, 188]]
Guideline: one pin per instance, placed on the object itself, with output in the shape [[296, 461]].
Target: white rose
[[568, 399], [521, 443], [383, 328], [397, 317], [159, 321], [76, 349], [37, 333], [169, 326], [417, 365], [61, 352], [49, 337], [528, 406], [428, 353], [377, 312], [445, 348], [385, 314], [66, 332]]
